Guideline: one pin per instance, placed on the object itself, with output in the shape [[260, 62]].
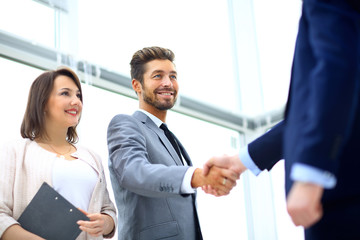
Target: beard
[[151, 99]]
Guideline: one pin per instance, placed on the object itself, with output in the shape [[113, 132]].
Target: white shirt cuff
[[186, 183], [305, 173], [245, 158]]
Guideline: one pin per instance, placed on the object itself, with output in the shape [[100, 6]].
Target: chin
[[73, 124]]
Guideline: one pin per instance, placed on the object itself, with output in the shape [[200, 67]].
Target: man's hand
[[304, 204], [229, 162], [220, 179]]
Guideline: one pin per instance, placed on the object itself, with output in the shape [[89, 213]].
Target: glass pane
[[29, 20], [197, 31], [203, 140], [276, 29], [285, 227], [16, 82]]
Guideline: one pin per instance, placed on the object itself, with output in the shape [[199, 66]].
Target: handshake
[[219, 175]]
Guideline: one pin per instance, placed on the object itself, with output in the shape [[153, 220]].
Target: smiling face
[[158, 92], [64, 106]]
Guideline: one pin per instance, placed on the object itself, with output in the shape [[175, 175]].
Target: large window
[[232, 55], [197, 31]]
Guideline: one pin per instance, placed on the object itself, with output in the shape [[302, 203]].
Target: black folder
[[51, 216]]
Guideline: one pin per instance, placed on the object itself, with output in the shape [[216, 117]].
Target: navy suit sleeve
[[266, 150]]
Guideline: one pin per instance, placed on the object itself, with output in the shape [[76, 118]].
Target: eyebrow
[[161, 71], [68, 89]]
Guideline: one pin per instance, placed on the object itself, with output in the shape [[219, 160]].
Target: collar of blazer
[[142, 117]]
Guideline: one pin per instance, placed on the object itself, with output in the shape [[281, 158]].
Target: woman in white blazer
[[47, 153]]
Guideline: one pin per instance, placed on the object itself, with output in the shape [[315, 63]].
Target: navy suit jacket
[[322, 119]]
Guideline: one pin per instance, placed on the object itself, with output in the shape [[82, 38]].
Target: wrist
[[109, 224], [197, 179], [308, 185], [308, 189]]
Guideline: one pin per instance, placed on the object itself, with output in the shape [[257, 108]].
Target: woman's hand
[[99, 224]]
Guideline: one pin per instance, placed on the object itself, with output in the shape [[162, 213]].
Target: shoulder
[[137, 116], [16, 144], [14, 149], [124, 122], [121, 117]]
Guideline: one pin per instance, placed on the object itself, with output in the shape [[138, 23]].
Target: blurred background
[[233, 60]]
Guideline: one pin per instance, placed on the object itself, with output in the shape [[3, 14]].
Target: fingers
[[305, 216], [224, 178], [229, 174], [220, 180], [94, 227], [83, 211], [207, 167], [304, 204], [225, 186], [209, 190], [228, 162]]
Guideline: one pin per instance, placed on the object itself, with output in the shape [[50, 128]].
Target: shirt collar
[[157, 121]]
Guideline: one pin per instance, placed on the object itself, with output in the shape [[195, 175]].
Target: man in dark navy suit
[[320, 135]]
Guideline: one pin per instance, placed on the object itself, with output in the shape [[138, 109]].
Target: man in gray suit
[[152, 175]]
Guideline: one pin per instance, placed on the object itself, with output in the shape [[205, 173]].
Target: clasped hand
[[230, 163], [221, 180], [303, 201], [304, 204], [99, 224]]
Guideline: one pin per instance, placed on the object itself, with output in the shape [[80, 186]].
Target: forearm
[[16, 232], [267, 150], [150, 174]]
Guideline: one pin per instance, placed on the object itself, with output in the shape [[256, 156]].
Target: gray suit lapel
[[152, 127]]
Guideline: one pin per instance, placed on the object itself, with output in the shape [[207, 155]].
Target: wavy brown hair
[[39, 94]]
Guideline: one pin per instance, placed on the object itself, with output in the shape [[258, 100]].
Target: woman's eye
[[78, 95], [65, 93]]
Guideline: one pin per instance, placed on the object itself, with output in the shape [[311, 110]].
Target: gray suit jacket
[[146, 175]]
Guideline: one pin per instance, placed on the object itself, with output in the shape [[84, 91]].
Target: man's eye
[[173, 77], [157, 76]]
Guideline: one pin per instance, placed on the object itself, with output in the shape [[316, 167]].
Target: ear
[[136, 85]]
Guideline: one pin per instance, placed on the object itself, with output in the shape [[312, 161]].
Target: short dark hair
[[39, 94], [145, 55]]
